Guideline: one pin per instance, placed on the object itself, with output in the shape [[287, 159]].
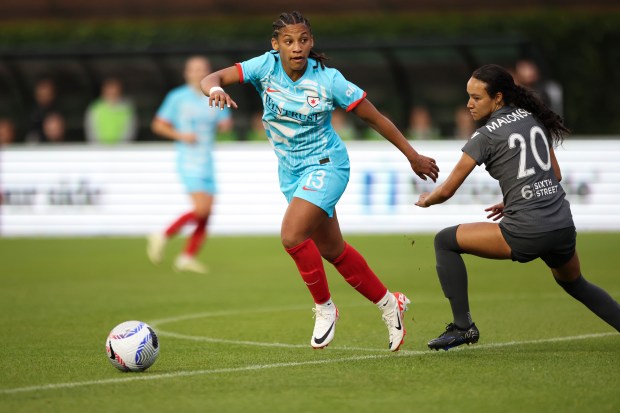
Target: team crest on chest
[[313, 101]]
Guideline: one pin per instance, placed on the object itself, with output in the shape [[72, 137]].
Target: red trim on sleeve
[[357, 102], [240, 70]]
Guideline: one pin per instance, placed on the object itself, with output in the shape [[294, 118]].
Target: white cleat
[[187, 263], [325, 316], [156, 243], [393, 317]]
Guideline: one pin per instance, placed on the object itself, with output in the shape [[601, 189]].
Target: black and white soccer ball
[[132, 346]]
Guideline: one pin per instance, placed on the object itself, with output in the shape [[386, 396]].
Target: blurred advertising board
[[132, 190]]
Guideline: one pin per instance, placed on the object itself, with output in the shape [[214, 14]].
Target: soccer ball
[[132, 346]]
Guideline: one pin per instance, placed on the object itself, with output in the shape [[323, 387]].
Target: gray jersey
[[514, 147]]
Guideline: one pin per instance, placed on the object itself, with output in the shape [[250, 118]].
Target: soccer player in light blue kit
[[299, 93], [186, 117]]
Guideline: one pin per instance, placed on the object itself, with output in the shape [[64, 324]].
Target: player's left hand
[[495, 211], [422, 200], [424, 167]]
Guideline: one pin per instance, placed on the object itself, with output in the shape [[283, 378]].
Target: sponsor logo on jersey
[[273, 106], [313, 101]]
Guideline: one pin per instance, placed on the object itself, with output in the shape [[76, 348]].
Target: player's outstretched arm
[[212, 86], [165, 129], [422, 165], [447, 189]]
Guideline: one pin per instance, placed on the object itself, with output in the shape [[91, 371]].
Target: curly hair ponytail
[[296, 18], [498, 80]]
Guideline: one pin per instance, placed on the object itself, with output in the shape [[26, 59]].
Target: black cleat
[[453, 336]]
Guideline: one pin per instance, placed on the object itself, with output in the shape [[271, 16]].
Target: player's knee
[[290, 240], [571, 285], [565, 276], [292, 234], [202, 213], [446, 239]]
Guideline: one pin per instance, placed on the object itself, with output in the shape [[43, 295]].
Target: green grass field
[[237, 340]]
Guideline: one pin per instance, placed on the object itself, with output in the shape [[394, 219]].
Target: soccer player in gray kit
[[516, 146]]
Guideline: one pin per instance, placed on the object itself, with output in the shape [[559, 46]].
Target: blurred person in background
[[516, 145], [54, 128], [421, 124], [527, 73], [7, 131], [299, 94], [111, 118], [186, 118], [464, 124], [45, 103]]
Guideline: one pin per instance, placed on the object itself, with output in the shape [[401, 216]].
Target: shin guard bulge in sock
[[310, 265]]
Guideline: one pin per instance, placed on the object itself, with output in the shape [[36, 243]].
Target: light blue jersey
[[297, 115], [188, 111], [313, 163]]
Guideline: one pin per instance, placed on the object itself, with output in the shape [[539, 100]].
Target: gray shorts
[[555, 248]]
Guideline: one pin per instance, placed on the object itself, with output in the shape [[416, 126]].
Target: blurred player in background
[[186, 117], [516, 146], [298, 94]]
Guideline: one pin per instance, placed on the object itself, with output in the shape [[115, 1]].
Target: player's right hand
[[424, 167], [220, 99]]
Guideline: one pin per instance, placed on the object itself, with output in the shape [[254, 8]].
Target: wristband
[[215, 89]]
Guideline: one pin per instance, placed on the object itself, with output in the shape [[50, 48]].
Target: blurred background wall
[[407, 55], [412, 57]]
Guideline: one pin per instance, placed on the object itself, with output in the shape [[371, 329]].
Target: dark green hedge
[[581, 48]]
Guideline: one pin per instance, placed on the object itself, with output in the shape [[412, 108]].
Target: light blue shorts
[[197, 177], [321, 185], [198, 184]]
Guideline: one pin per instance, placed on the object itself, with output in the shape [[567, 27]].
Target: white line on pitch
[[163, 333], [402, 353], [258, 343], [225, 341], [227, 313], [185, 317], [146, 376]]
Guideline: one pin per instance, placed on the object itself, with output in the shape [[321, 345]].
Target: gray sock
[[453, 275], [595, 298]]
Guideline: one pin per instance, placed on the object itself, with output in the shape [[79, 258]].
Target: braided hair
[[498, 79], [296, 18]]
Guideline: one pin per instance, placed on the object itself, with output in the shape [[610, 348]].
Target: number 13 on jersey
[[316, 180]]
